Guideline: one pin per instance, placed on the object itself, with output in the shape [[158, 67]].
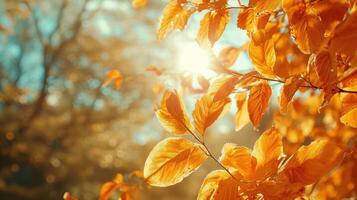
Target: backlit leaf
[[263, 57], [171, 160], [219, 185], [242, 115], [258, 101], [172, 113], [290, 87], [311, 162]]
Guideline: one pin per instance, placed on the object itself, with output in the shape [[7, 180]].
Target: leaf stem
[[209, 153]]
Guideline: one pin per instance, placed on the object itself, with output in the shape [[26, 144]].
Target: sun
[[193, 59]]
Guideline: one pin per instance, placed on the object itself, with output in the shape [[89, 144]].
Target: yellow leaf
[[263, 56], [242, 115], [171, 160], [258, 101], [211, 105], [174, 17], [219, 185], [172, 113], [267, 150], [211, 27], [267, 5], [238, 158], [291, 85], [311, 162], [349, 110], [259, 164], [138, 3]]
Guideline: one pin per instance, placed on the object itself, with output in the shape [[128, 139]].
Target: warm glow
[[193, 59]]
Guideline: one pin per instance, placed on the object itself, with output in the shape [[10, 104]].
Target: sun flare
[[194, 59]]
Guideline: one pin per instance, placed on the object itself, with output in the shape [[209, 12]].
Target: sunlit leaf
[[172, 113], [242, 115], [258, 101], [290, 87], [171, 160], [219, 185], [311, 162]]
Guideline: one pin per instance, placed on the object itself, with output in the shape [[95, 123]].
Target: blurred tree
[[60, 130]]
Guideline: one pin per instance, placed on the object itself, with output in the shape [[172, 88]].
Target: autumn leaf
[[171, 160], [175, 16], [325, 68], [263, 57], [266, 5], [172, 113], [308, 34], [290, 87], [109, 187], [258, 101], [344, 34], [228, 56], [113, 75], [242, 115], [138, 3], [349, 110], [209, 107], [219, 185], [212, 27], [311, 162]]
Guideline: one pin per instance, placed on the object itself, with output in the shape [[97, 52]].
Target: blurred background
[[60, 130]]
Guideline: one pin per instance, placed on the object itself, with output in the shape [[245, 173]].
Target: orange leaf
[[108, 188], [211, 105], [349, 110], [138, 3], [219, 185], [211, 27], [174, 17], [309, 34], [290, 87], [263, 56], [228, 56], [311, 162], [258, 101], [325, 68], [113, 75], [172, 113], [344, 34], [267, 150], [242, 115], [171, 160]]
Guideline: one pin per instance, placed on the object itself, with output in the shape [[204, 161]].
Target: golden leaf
[[174, 17], [349, 110], [242, 115], [311, 162], [171, 160], [219, 185], [290, 87], [263, 56], [258, 101], [172, 113], [259, 164], [212, 27], [209, 107], [325, 68]]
